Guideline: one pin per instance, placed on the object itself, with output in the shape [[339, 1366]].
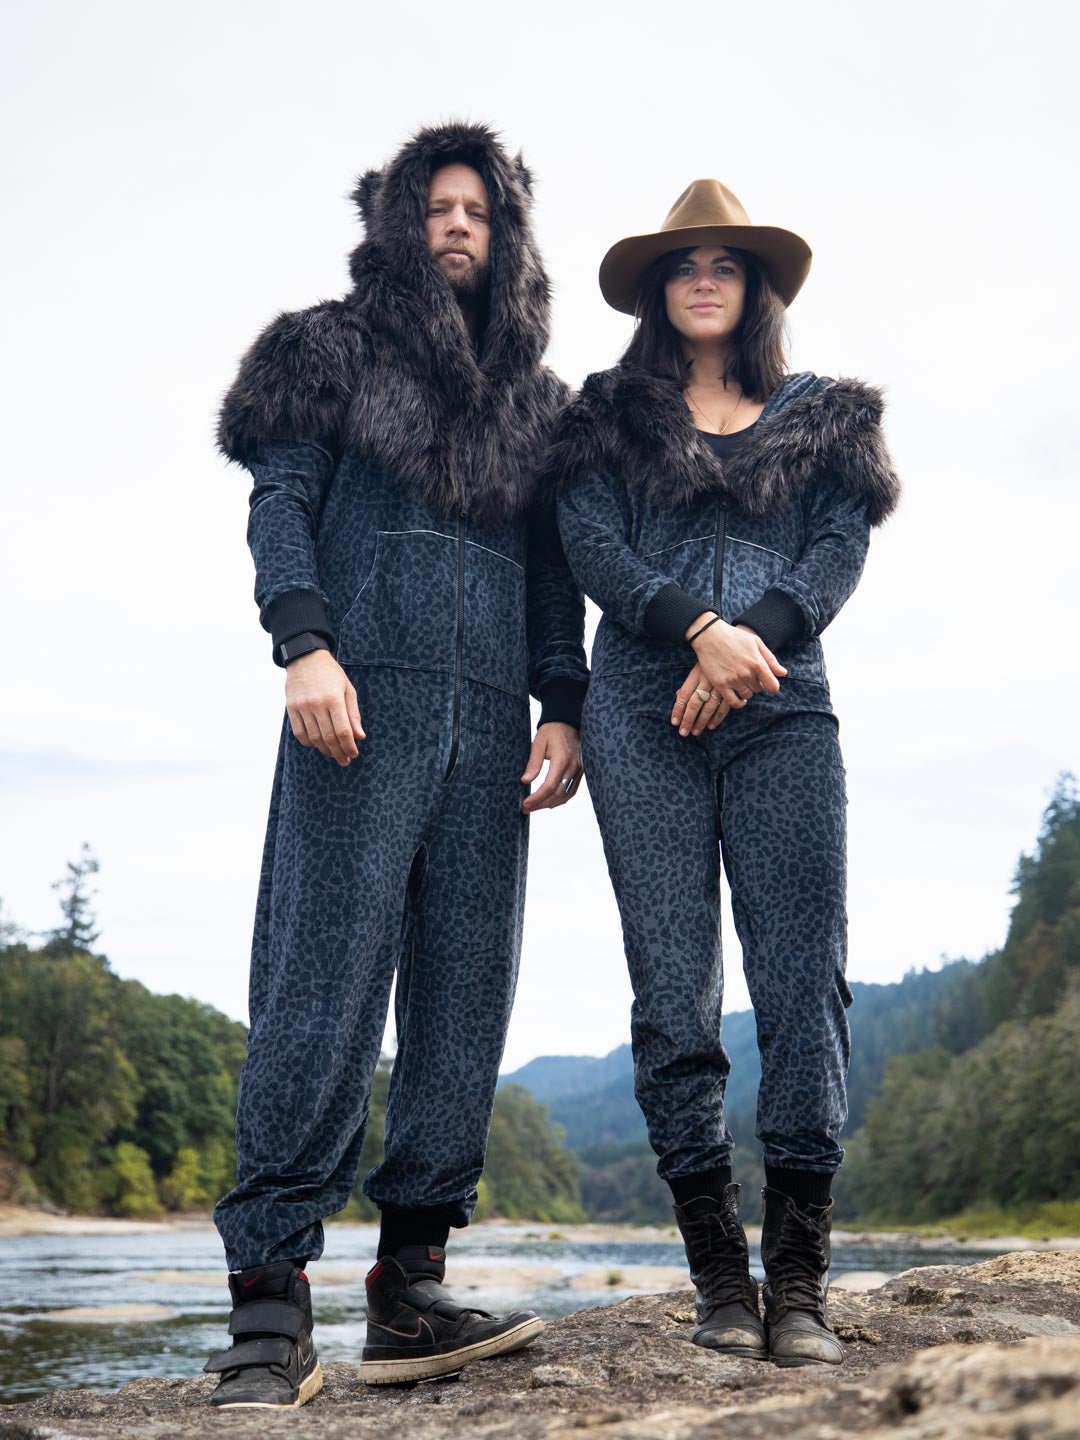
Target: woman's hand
[[697, 707], [322, 705], [735, 661]]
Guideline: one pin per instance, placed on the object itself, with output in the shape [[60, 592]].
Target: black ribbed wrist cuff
[[671, 612], [561, 700], [776, 618], [291, 614]]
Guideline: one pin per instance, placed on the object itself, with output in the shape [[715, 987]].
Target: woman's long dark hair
[[758, 360]]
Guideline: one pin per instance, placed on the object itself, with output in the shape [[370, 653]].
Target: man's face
[[458, 228]]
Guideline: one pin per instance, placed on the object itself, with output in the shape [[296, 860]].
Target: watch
[[302, 644]]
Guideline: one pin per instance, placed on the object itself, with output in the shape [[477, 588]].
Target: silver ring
[[567, 783]]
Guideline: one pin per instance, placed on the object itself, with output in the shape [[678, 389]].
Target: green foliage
[[107, 1091], [619, 1185], [188, 1058], [529, 1173], [15, 1097], [184, 1188], [991, 1126], [129, 1185]]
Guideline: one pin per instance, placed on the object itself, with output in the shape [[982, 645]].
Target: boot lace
[[797, 1264], [723, 1271]]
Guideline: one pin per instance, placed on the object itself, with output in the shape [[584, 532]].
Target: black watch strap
[[299, 645]]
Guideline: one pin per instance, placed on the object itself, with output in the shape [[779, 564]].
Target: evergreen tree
[[77, 932]]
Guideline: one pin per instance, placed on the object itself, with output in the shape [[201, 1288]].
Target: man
[[416, 592]]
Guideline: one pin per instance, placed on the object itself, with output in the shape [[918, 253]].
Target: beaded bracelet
[[691, 638]]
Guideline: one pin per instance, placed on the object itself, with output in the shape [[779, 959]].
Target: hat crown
[[705, 202]]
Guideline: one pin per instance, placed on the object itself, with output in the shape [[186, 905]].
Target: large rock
[[939, 1353]]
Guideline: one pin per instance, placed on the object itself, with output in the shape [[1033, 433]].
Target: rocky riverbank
[[977, 1352]]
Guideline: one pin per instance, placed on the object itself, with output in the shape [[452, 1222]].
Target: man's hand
[[322, 705], [696, 706], [735, 661], [560, 746]]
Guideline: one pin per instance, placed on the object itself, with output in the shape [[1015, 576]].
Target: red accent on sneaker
[[373, 1274], [435, 1253], [247, 1284], [302, 1274]]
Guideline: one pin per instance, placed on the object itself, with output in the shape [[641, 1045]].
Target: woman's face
[[705, 295]]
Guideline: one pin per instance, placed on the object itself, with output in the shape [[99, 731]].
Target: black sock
[[805, 1187], [412, 1227], [704, 1182]]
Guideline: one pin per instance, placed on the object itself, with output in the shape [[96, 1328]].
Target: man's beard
[[470, 286]]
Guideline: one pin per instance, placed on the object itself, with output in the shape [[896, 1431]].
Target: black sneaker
[[726, 1298], [416, 1330], [796, 1251], [272, 1361]]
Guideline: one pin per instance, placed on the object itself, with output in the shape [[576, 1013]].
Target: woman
[[717, 509]]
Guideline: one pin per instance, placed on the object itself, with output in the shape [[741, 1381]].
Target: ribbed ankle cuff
[[703, 1182], [805, 1187], [401, 1228]]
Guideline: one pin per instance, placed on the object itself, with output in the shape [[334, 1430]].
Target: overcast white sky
[[174, 174]]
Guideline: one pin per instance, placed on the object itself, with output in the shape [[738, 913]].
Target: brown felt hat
[[706, 213]]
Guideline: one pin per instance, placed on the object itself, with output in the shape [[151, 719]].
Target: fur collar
[[390, 371], [638, 426]]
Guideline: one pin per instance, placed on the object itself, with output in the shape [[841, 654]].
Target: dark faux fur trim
[[639, 427], [390, 370]]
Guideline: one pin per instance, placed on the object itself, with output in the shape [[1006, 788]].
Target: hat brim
[[785, 256]]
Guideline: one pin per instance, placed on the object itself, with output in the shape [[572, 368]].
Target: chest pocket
[[691, 564], [403, 611], [749, 570]]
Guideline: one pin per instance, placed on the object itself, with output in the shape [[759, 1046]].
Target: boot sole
[[309, 1387], [796, 1362], [429, 1367], [744, 1352]]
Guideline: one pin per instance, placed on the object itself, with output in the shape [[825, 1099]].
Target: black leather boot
[[796, 1251], [416, 1330], [272, 1361], [726, 1302]]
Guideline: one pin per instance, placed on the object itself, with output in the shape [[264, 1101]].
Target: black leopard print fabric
[[767, 790], [380, 867]]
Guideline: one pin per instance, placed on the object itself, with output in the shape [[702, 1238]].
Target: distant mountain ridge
[[592, 1097]]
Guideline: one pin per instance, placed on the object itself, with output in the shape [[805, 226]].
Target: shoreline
[[22, 1221]]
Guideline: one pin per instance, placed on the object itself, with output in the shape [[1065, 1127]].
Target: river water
[[162, 1302]]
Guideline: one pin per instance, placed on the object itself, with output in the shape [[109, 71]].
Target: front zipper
[[718, 561], [459, 641]]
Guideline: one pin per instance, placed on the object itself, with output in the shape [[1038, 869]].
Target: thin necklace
[[731, 416]]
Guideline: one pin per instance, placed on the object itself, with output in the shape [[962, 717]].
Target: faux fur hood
[[638, 426], [390, 370]]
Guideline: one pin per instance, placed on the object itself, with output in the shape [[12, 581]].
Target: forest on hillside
[[988, 1116]]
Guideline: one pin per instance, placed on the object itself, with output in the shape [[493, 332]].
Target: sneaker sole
[[428, 1367], [309, 1386]]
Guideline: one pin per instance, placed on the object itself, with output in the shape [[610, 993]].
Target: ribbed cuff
[[713, 1183], [561, 700], [292, 613], [671, 612], [776, 618], [400, 1227], [805, 1187]]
